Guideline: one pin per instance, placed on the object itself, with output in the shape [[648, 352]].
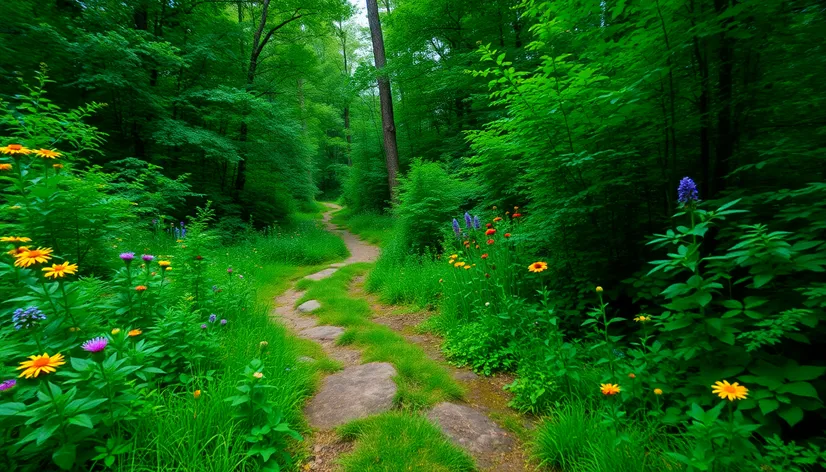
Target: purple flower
[[95, 344], [204, 326], [215, 288], [127, 257], [468, 220], [27, 318], [229, 270], [687, 191], [147, 257], [7, 385], [223, 322], [476, 223], [212, 318], [456, 228]]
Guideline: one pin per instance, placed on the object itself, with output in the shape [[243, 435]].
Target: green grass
[[400, 278], [422, 381], [375, 228], [400, 441]]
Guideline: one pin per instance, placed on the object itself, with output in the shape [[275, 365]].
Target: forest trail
[[361, 390]]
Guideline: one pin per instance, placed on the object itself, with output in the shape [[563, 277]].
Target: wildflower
[[7, 385], [115, 331], [538, 266], [467, 267], [497, 219], [47, 153], [610, 389], [57, 166], [141, 288], [490, 231], [134, 332], [95, 344], [487, 303], [258, 375], [33, 256], [60, 270], [27, 318], [15, 239], [240, 276], [507, 235], [484, 256], [223, 322], [199, 258], [263, 345], [212, 318], [459, 264], [516, 215], [658, 391], [204, 326], [729, 391], [15, 149], [5, 167], [642, 319], [147, 257], [456, 228], [493, 207], [687, 191], [632, 375], [127, 257], [489, 241], [599, 289], [40, 364], [153, 274], [476, 223], [468, 220], [229, 270], [196, 394], [488, 225], [167, 269], [164, 263], [441, 281]]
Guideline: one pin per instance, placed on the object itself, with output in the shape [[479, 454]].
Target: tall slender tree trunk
[[391, 151]]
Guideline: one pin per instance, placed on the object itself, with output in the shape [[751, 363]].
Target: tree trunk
[[347, 135], [725, 135], [391, 151]]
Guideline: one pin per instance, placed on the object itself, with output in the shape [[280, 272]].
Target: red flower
[[487, 276], [488, 225], [199, 258], [490, 231], [484, 256], [490, 241], [507, 235], [517, 215]]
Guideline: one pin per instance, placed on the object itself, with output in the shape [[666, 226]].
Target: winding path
[[361, 390]]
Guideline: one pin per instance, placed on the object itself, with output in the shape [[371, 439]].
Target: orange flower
[[490, 231], [485, 256], [488, 225], [196, 394], [517, 215], [490, 241], [5, 166], [497, 219], [632, 375], [47, 153], [134, 332], [610, 389], [33, 256], [507, 235], [538, 266], [15, 149], [140, 288]]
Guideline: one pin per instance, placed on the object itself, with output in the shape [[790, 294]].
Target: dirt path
[[362, 390]]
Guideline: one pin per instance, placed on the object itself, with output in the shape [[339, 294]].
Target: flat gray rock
[[355, 392], [322, 274], [470, 428], [465, 375], [309, 306], [322, 333]]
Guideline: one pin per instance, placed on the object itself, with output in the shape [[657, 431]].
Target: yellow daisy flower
[[610, 389], [40, 364], [729, 391], [33, 256], [15, 149], [60, 270], [538, 266], [47, 153]]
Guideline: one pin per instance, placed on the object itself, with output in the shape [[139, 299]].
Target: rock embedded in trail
[[355, 392], [322, 274], [470, 429], [309, 306], [322, 333]]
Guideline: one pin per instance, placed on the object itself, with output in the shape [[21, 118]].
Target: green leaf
[[808, 372], [82, 420], [65, 456], [11, 408], [769, 405], [801, 389], [791, 415]]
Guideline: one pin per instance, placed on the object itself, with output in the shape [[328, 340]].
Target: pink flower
[[95, 344]]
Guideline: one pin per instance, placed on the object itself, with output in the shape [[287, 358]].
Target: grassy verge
[[402, 278], [416, 445], [422, 382], [374, 228]]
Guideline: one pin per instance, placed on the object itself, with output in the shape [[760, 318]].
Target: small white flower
[[487, 303]]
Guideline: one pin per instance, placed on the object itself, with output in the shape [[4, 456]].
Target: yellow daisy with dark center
[[15, 150], [729, 391], [538, 266], [47, 153]]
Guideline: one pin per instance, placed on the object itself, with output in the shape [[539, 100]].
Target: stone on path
[[322, 333], [355, 392], [470, 428], [322, 274], [309, 306]]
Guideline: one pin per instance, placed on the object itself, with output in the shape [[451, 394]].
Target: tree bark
[[391, 152]]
